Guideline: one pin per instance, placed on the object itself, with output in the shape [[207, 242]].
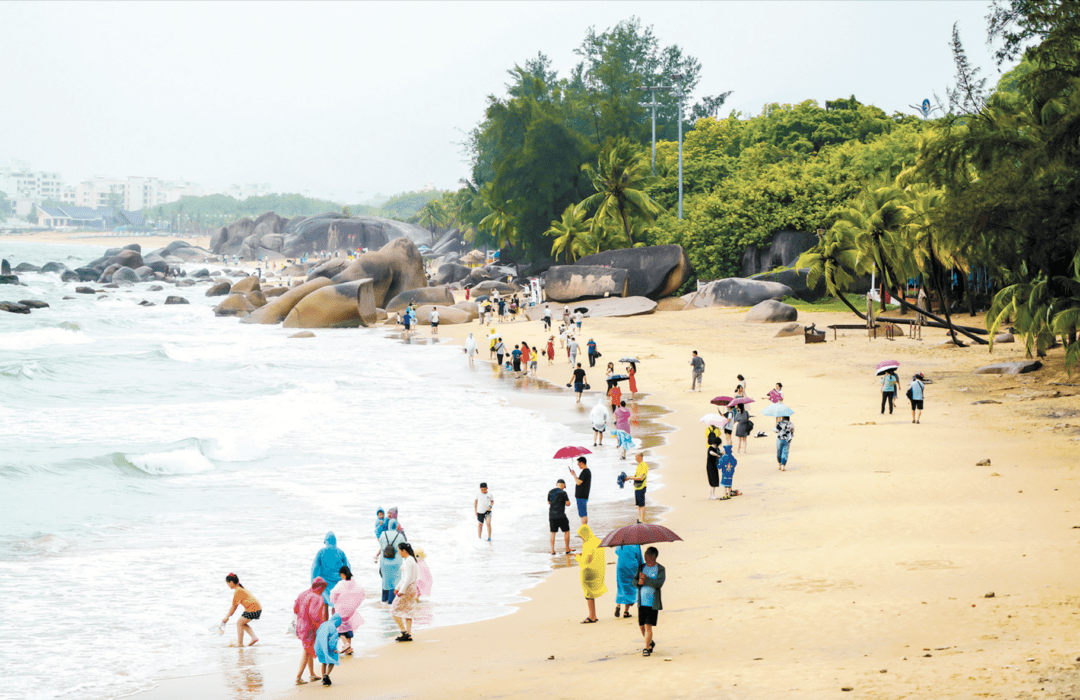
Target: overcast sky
[[337, 99]]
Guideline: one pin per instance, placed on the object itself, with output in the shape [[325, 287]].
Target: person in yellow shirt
[[252, 610], [640, 476]]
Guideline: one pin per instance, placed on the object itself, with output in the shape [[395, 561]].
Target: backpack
[[389, 551]]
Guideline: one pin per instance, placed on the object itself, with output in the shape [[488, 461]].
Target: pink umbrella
[[721, 401], [718, 421], [886, 366], [571, 452], [741, 400], [641, 533]]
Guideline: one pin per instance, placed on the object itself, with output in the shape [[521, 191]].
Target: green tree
[[569, 233], [619, 178], [837, 260]]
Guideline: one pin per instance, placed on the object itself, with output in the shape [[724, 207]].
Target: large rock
[[448, 273], [345, 305], [1021, 367], [274, 292], [87, 274], [145, 272], [219, 289], [782, 250], [653, 271], [613, 306], [309, 234], [488, 286], [448, 315], [54, 267], [279, 308], [735, 291], [173, 300], [395, 268], [257, 298], [248, 284], [352, 234], [125, 274], [435, 296], [329, 268], [12, 307], [9, 279], [796, 279], [565, 283], [234, 305], [126, 258], [1005, 337], [34, 304], [156, 263], [790, 331], [229, 239], [771, 311], [477, 275], [26, 267], [469, 307], [5, 267]]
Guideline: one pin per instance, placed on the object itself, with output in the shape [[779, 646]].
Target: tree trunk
[[944, 307], [888, 273]]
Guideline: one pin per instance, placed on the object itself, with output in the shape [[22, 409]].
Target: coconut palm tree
[[875, 223], [569, 233], [836, 260], [619, 178]]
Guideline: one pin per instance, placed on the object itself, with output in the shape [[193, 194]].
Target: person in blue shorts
[[581, 491]]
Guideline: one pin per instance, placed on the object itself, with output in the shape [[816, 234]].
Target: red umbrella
[[571, 452], [641, 533], [721, 401], [741, 400]]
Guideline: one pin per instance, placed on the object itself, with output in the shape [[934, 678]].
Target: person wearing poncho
[[598, 416], [591, 561], [346, 599], [390, 568], [470, 348], [310, 613], [622, 429], [328, 563], [626, 572], [727, 464], [380, 522], [326, 641]]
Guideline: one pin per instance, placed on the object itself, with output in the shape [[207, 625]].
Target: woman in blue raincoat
[[326, 641], [390, 567], [328, 563], [626, 572]]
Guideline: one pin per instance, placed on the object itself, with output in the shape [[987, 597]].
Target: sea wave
[[183, 457], [34, 338]]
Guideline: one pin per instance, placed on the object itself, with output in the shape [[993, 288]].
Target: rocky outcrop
[[13, 308], [782, 250], [257, 298], [276, 310], [25, 267], [124, 274], [735, 291], [771, 311], [653, 271], [9, 279], [448, 273], [234, 305], [329, 268], [229, 239], [396, 268], [435, 296], [613, 306], [488, 286], [173, 300], [469, 307], [248, 284], [448, 315], [34, 304], [54, 267], [1021, 367], [796, 279], [566, 283], [219, 289], [345, 305]]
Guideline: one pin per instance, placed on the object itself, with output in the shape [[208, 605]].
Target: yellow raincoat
[[592, 561]]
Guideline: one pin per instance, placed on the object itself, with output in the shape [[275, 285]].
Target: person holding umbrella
[[631, 371], [889, 382]]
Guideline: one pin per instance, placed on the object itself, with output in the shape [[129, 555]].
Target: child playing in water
[[252, 610]]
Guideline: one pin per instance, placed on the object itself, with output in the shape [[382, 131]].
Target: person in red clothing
[[551, 350]]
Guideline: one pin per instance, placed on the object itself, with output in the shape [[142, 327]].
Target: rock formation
[[565, 283], [735, 291], [345, 305], [276, 310], [397, 267], [654, 271], [434, 296], [772, 311]]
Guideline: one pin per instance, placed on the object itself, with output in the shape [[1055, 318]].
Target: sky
[[344, 100]]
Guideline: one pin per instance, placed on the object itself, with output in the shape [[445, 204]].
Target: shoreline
[[864, 565]]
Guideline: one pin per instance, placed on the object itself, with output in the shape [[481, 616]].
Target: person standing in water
[[482, 507], [310, 614], [470, 348], [640, 478], [252, 610], [581, 491], [405, 593], [389, 561], [578, 381], [557, 500], [327, 564]]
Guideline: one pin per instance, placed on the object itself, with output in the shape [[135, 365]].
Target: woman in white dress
[[404, 605]]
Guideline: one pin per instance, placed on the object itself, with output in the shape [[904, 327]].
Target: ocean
[[149, 451]]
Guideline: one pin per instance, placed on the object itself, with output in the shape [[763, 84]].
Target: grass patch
[[827, 304]]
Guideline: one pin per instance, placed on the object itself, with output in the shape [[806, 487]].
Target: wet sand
[[866, 565], [109, 240]]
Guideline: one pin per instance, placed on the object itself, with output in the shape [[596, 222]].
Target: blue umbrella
[[777, 410]]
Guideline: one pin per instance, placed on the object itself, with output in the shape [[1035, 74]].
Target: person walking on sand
[[470, 348], [347, 597], [591, 350], [578, 318], [405, 594], [641, 476], [785, 431], [482, 508], [742, 383], [433, 319], [581, 491], [557, 500], [252, 610], [915, 394], [650, 580], [547, 317], [743, 426], [326, 643], [578, 381], [566, 316], [889, 382], [598, 416], [626, 575], [500, 350], [592, 563], [551, 350], [697, 365], [328, 562], [713, 443], [310, 614], [572, 348], [622, 428]]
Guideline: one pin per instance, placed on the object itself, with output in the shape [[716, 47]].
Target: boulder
[[448, 315], [84, 290], [672, 304], [186, 283], [257, 298], [106, 275], [329, 268], [274, 292], [126, 258], [228, 239], [176, 300], [653, 271], [333, 231], [1021, 367], [184, 252], [303, 334], [449, 273], [735, 291], [124, 274], [26, 267], [345, 305], [469, 307], [112, 285], [790, 330], [612, 306], [356, 233], [397, 267], [9, 279], [771, 311], [144, 302], [133, 246], [219, 289], [5, 267], [234, 305], [566, 283], [12, 307], [154, 288], [435, 296], [156, 263], [248, 284], [294, 270], [276, 310], [34, 304], [69, 276], [477, 275], [145, 272], [54, 267], [782, 250], [381, 315], [203, 272], [488, 286], [87, 274], [1004, 338]]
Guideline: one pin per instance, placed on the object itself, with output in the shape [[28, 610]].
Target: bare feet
[[254, 642]]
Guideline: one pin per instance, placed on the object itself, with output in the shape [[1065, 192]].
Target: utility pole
[[653, 105], [680, 95]]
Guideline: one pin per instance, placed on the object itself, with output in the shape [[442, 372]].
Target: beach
[[107, 239], [884, 562]]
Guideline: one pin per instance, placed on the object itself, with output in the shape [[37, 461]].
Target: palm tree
[[835, 259], [569, 233], [929, 255], [433, 216], [875, 223], [619, 180]]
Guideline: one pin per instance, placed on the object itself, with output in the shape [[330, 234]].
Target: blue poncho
[[380, 523], [626, 573], [328, 563], [390, 569], [326, 640], [726, 463]]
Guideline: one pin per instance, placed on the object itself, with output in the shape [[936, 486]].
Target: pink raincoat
[[423, 578], [346, 599], [309, 614]]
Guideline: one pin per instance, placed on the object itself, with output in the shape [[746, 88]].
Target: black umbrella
[[582, 309], [481, 298]]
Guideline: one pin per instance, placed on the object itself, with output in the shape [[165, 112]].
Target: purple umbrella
[[887, 366], [741, 400], [721, 401]]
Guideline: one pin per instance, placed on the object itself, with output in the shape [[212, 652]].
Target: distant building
[[242, 192], [25, 187], [132, 193], [103, 218]]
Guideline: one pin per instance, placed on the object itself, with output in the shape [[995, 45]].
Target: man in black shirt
[[557, 502], [578, 381], [581, 491]]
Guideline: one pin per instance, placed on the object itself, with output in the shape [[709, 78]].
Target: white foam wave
[[42, 337], [171, 463], [232, 448]]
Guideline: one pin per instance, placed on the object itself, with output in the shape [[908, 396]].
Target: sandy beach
[[107, 239], [884, 562]]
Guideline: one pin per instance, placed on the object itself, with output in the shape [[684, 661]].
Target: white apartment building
[[25, 187], [242, 192], [133, 193]]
